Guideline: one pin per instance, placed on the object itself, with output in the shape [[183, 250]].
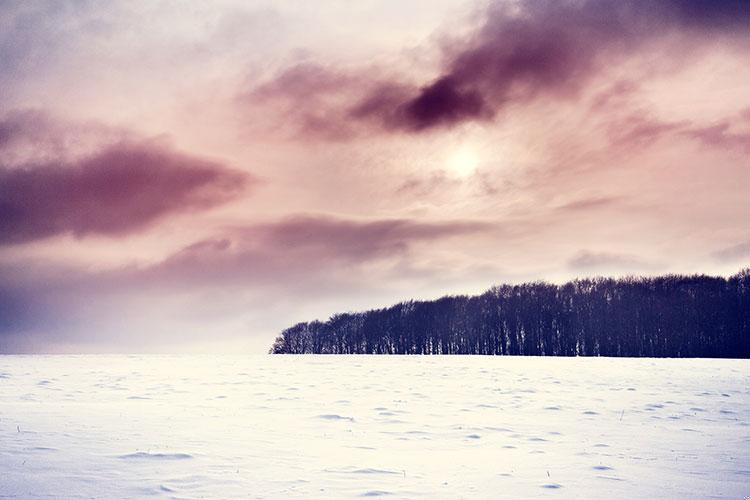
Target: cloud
[[591, 203], [720, 136], [306, 260], [588, 261], [421, 186], [728, 15], [639, 130], [30, 136], [358, 239], [314, 97], [734, 253], [115, 189], [514, 56], [552, 47], [520, 52], [301, 248], [283, 253], [443, 102], [614, 96]]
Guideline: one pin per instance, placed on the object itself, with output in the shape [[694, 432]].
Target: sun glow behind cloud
[[463, 162]]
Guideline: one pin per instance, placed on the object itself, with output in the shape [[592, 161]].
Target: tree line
[[665, 316]]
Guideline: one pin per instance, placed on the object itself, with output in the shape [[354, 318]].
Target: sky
[[195, 177]]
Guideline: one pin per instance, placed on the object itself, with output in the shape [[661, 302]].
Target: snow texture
[[373, 426]]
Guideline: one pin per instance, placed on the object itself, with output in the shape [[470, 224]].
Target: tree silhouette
[[665, 316]]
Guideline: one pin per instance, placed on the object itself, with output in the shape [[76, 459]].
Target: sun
[[462, 162]]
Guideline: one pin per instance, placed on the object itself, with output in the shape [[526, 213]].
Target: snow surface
[[372, 426]]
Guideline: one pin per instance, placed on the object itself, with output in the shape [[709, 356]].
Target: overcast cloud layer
[[196, 178]]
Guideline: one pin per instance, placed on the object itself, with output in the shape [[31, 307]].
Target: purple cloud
[[721, 136], [307, 258], [117, 190], [552, 47], [443, 102], [299, 248], [356, 239], [520, 52], [639, 130]]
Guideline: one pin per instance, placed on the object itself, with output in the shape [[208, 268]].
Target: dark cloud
[[443, 102], [712, 14], [521, 51], [552, 47], [514, 57], [117, 190]]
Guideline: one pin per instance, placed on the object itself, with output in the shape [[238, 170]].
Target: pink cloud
[[519, 53], [305, 258], [587, 261], [116, 190], [720, 136]]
